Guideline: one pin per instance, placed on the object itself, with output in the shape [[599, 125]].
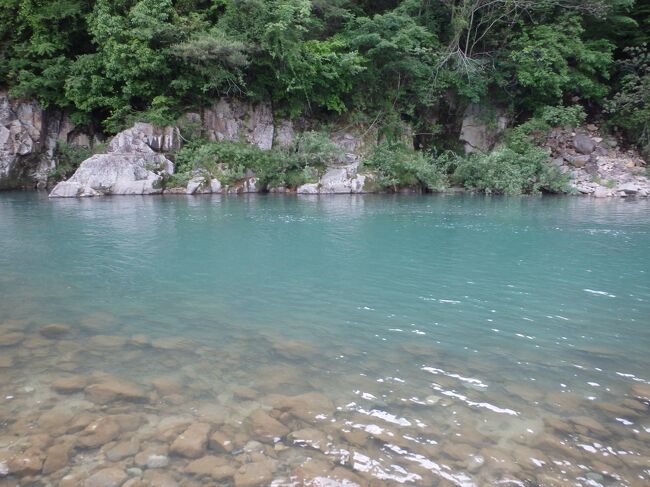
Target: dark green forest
[[419, 61]]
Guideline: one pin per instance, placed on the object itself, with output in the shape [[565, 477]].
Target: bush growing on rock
[[506, 171], [399, 166], [229, 161]]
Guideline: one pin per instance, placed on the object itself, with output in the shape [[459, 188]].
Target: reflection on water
[[324, 341]]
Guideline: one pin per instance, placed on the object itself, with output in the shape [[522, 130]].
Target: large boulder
[[337, 180], [584, 144], [131, 165]]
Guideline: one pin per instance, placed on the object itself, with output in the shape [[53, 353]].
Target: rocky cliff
[[137, 160], [28, 138]]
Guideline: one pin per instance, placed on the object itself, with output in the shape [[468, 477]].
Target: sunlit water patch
[[289, 341]]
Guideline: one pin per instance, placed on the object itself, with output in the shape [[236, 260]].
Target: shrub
[[398, 166], [315, 149], [536, 129], [290, 166], [506, 171], [68, 158]]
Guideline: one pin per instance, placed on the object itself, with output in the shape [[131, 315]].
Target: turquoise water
[[451, 332]]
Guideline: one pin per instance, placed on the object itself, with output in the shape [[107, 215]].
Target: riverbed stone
[[558, 424], [255, 474], [266, 428], [29, 462], [57, 457], [107, 477], [310, 437], [310, 406], [242, 392], [166, 386], [6, 361], [56, 418], [107, 341], [113, 389], [70, 384], [55, 330], [173, 343], [459, 451], [223, 472], [642, 391], [11, 338], [153, 456], [99, 433], [634, 404], [220, 442], [156, 478], [205, 465], [123, 450], [192, 442], [590, 424]]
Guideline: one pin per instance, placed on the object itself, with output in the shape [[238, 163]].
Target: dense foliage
[[299, 163], [420, 61]]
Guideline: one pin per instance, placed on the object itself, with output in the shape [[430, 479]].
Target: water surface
[[445, 340]]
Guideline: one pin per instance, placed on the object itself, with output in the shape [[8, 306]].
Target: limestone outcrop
[[481, 128], [28, 139], [236, 120], [131, 165]]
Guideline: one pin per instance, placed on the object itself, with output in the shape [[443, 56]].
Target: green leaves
[[551, 61]]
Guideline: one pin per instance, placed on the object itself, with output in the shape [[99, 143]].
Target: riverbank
[[235, 147]]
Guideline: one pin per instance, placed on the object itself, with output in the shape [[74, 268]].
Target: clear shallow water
[[461, 340]]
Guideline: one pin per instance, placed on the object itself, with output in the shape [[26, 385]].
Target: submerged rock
[[27, 463], [99, 433], [220, 442], [54, 330], [255, 474], [155, 478], [309, 437], [113, 389], [57, 458], [108, 477], [192, 442], [310, 407], [6, 362], [154, 456], [265, 427], [71, 384], [204, 466], [10, 339], [642, 391], [123, 450]]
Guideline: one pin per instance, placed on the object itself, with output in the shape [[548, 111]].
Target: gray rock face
[[238, 120], [28, 140], [481, 128], [284, 133], [130, 166]]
